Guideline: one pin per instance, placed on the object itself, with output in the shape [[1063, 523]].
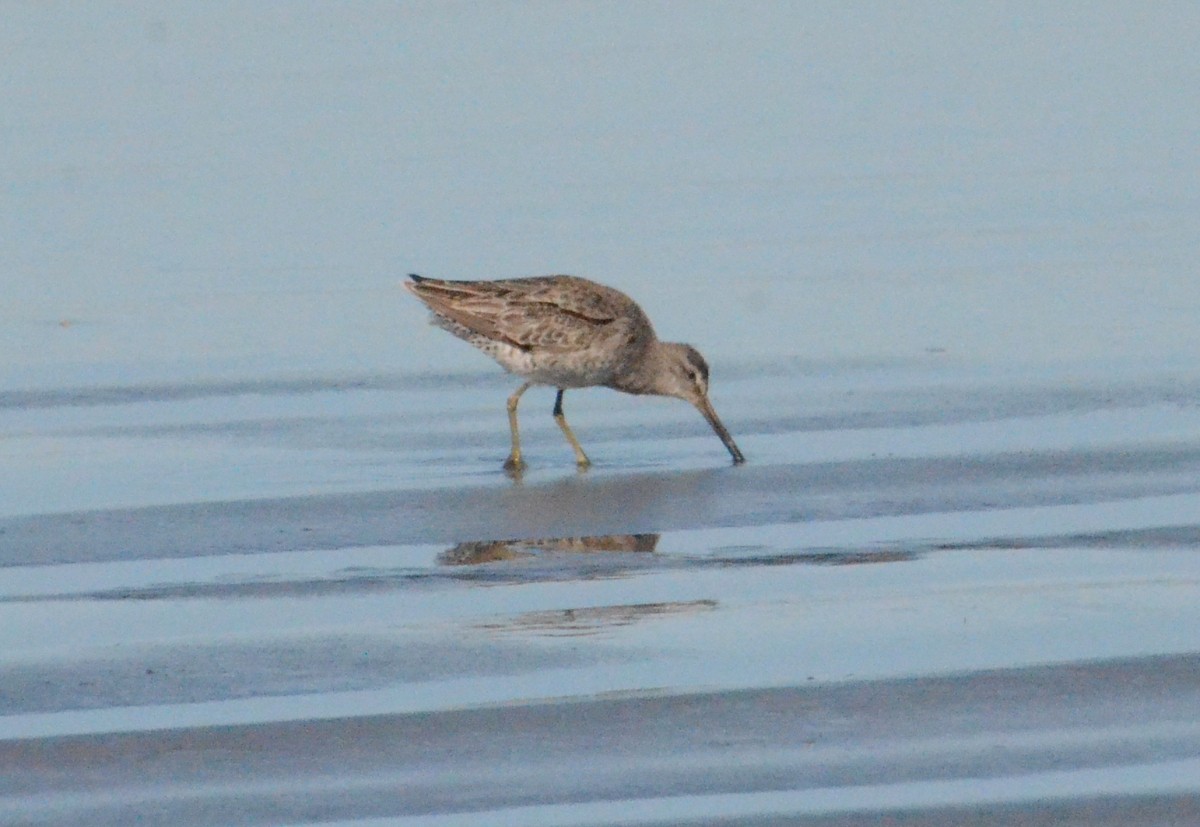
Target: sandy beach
[[259, 562]]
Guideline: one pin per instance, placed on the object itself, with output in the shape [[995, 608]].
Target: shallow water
[[259, 563], [921, 526]]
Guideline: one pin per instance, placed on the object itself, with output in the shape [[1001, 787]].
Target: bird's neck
[[644, 375]]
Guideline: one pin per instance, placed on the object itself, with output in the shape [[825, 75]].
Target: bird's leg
[[514, 461], [580, 457]]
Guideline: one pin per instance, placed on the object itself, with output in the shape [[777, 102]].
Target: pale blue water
[[236, 190], [941, 258]]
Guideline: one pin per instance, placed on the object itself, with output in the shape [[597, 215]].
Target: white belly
[[576, 369], [545, 366]]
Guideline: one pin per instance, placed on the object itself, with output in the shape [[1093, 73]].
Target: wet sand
[[1081, 744], [997, 621]]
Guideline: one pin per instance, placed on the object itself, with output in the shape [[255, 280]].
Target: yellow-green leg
[[514, 461], [580, 457]]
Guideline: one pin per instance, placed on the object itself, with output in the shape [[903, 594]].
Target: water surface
[[259, 563]]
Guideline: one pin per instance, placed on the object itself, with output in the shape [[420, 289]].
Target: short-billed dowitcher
[[568, 332]]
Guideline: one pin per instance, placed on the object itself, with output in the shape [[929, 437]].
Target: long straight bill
[[705, 407]]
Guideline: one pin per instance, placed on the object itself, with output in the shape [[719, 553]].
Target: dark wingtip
[[416, 278]]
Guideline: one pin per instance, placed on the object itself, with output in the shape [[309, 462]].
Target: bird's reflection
[[490, 551], [593, 620]]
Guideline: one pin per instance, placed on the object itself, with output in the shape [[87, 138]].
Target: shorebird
[[568, 332]]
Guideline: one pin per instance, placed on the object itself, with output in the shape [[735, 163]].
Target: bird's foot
[[514, 465]]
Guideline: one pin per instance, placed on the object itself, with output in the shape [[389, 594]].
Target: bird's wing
[[534, 313]]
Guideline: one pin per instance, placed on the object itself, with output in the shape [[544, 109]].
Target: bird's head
[[684, 375]]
